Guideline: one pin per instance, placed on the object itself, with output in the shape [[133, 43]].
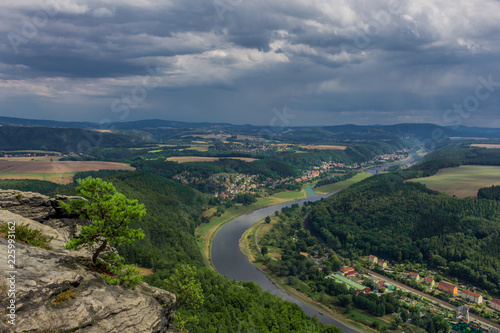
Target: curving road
[[231, 262]]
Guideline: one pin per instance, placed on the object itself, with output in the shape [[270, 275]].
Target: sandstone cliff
[[42, 275]]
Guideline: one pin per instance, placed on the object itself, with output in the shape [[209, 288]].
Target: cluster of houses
[[307, 176], [380, 158], [34, 154], [232, 184], [380, 262], [442, 285], [428, 280], [452, 289]]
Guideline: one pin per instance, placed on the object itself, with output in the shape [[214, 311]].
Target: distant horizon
[[244, 124]]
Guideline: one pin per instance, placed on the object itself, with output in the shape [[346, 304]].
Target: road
[[433, 299]]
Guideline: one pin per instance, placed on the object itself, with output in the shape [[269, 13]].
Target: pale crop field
[[323, 147], [330, 188], [61, 172], [485, 145], [185, 159], [463, 181]]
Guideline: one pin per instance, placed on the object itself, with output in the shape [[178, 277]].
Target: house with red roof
[[495, 304], [373, 259], [414, 276], [382, 263], [471, 296], [350, 273], [346, 271], [448, 287], [429, 281]]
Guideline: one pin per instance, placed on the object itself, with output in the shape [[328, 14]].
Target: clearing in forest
[[185, 159], [61, 172], [463, 181]]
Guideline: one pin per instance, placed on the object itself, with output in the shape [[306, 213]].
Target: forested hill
[[388, 217], [172, 214], [64, 139], [453, 156]]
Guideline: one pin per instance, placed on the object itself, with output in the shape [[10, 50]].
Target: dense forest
[[266, 168], [172, 216], [492, 193], [452, 156], [64, 139], [405, 221], [30, 185], [301, 261], [173, 212]]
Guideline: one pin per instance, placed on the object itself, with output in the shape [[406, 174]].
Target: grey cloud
[[332, 59]]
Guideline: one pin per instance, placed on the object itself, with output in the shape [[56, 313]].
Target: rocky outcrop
[[41, 208], [92, 305], [34, 206]]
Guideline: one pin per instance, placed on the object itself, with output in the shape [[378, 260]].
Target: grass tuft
[[25, 234], [63, 296]]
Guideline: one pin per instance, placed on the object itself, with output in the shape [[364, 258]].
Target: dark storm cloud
[[236, 60]]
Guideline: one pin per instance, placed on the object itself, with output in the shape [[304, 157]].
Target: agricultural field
[[185, 159], [463, 181], [330, 188], [485, 145], [61, 172], [199, 147], [31, 158], [323, 147]]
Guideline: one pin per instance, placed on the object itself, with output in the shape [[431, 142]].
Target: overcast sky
[[325, 61]]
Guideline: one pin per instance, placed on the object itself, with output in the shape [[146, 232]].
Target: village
[[421, 289], [227, 185]]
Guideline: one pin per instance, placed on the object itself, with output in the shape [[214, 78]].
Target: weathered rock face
[[96, 306], [40, 208], [31, 205]]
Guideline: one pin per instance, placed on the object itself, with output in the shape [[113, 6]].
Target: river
[[231, 262], [412, 158]]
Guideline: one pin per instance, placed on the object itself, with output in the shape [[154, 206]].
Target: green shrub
[[3, 289], [25, 234], [121, 274], [63, 296]]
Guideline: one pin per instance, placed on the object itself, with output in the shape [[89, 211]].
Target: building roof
[[496, 301], [471, 293], [446, 285], [413, 274], [372, 256], [349, 283], [346, 269], [429, 279], [351, 272]]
